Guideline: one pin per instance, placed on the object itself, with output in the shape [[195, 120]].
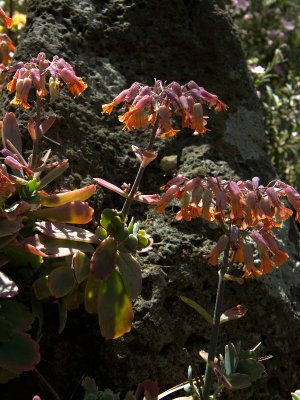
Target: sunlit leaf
[[76, 212], [21, 353], [8, 288], [66, 232], [110, 186], [54, 248], [61, 281], [103, 260], [59, 199], [81, 266], [53, 174], [47, 123], [130, 270], [233, 313], [115, 311], [91, 295], [198, 308]]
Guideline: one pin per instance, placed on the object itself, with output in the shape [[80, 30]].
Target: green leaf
[[20, 354], [41, 288], [130, 270], [252, 368], [63, 315], [91, 295], [198, 308], [22, 258], [239, 381], [115, 311], [230, 360], [103, 261], [106, 217], [61, 281], [81, 266], [17, 314]]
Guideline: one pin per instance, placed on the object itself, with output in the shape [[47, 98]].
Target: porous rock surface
[[112, 43]]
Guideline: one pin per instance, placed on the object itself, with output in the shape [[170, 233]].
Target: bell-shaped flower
[[75, 84], [213, 256]]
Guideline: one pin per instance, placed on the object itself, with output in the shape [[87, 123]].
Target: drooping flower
[[161, 102], [6, 19], [7, 48]]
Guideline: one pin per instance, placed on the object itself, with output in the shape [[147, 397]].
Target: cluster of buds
[[42, 73], [145, 105], [246, 211]]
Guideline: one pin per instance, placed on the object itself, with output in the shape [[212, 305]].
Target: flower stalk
[[216, 324]]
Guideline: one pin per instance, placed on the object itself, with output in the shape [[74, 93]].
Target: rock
[[111, 44]]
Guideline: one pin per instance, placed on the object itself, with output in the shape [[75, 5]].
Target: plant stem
[[216, 324], [38, 132], [46, 385], [140, 173]]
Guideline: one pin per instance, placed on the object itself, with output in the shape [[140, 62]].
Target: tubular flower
[[249, 211], [162, 103], [45, 76], [8, 22], [6, 48]]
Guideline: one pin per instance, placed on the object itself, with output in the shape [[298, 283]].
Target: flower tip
[[107, 108]]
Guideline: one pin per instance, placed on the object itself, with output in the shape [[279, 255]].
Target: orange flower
[[190, 212], [134, 119], [213, 256], [8, 22], [22, 91], [198, 122], [75, 84], [250, 268]]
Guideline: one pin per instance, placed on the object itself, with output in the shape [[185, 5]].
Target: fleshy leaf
[[21, 257], [198, 308], [8, 227], [252, 368], [91, 295], [233, 313], [76, 212], [110, 186], [10, 131], [61, 281], [8, 288], [130, 270], [81, 266], [231, 359], [5, 330], [115, 311], [239, 381], [53, 174], [59, 199], [66, 232], [17, 314], [47, 123], [54, 248], [20, 354], [103, 261], [41, 288]]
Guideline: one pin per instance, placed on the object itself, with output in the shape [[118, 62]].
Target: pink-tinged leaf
[[103, 261], [75, 212], [54, 248], [10, 131], [53, 174], [20, 354], [81, 266], [8, 288], [110, 186], [32, 249], [41, 288], [59, 199], [233, 313], [31, 129], [91, 295], [61, 281], [47, 123], [8, 228], [17, 314], [66, 232], [130, 270], [152, 199], [147, 390], [115, 311]]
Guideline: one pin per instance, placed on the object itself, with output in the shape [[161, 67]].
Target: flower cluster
[[145, 105], [246, 210], [45, 76]]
